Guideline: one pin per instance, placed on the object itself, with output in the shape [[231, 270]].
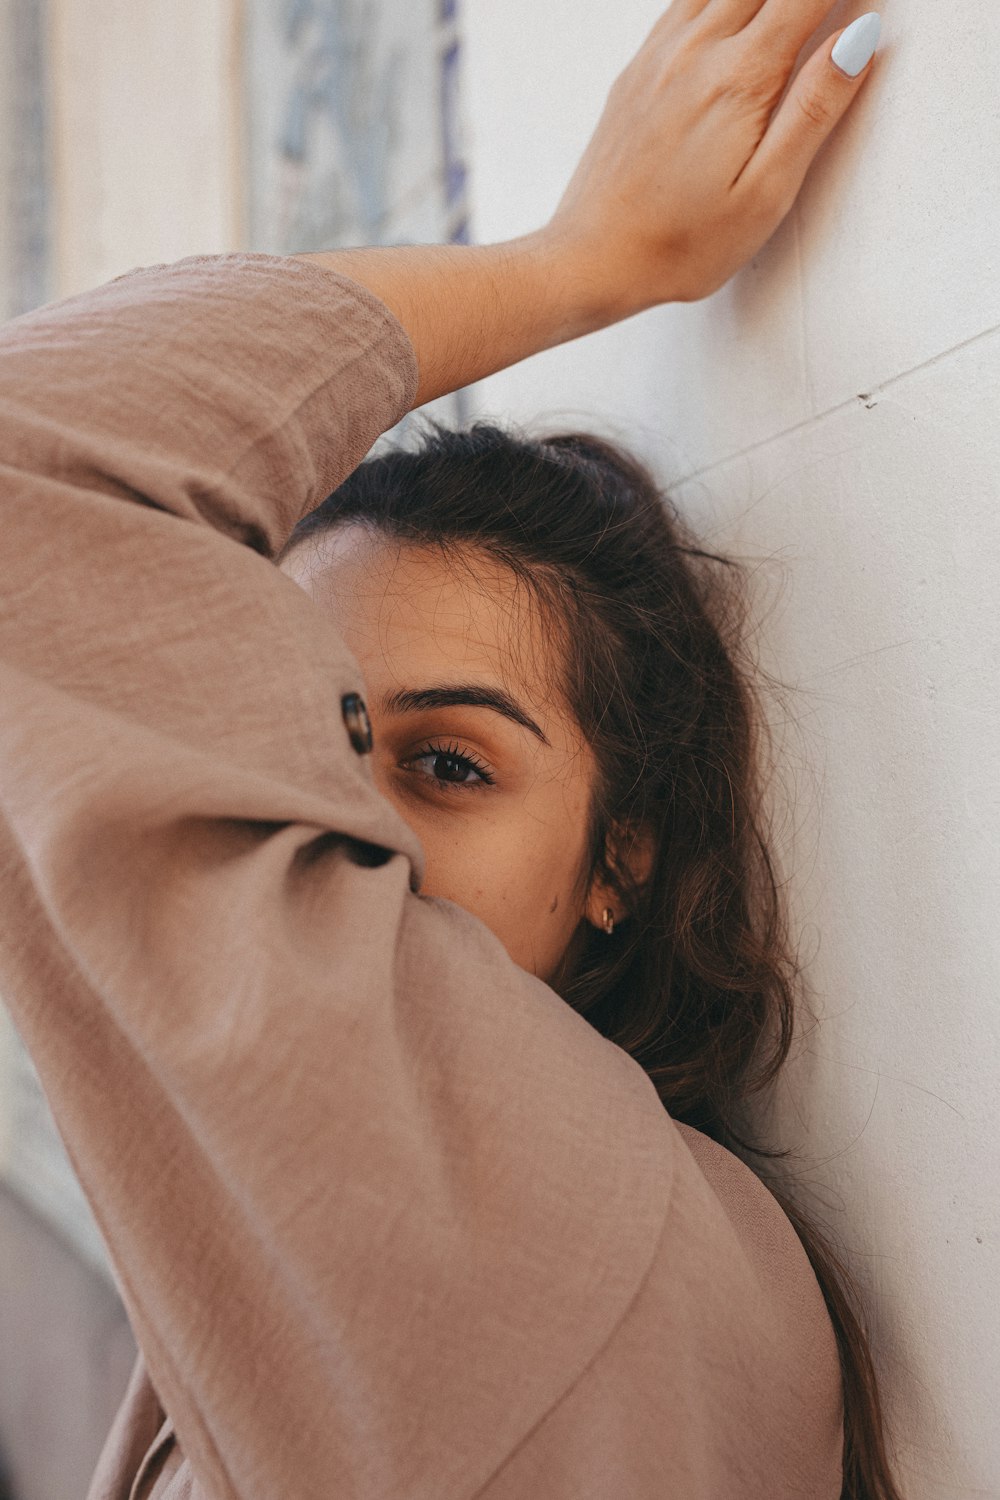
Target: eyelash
[[452, 752]]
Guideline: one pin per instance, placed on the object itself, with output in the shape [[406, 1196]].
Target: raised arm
[[689, 171]]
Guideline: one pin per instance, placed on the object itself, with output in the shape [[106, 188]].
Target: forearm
[[472, 310]]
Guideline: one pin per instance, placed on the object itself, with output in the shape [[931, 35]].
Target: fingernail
[[856, 47]]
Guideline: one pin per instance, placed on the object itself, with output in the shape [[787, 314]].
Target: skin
[[511, 849], [693, 165]]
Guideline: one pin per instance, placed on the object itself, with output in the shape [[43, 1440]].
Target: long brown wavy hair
[[699, 984]]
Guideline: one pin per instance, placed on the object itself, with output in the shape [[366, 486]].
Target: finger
[[683, 10], [780, 27], [676, 16], [818, 99]]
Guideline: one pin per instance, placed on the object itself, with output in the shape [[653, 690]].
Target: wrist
[[580, 282], [630, 271]]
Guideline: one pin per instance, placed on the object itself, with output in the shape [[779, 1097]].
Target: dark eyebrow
[[471, 695]]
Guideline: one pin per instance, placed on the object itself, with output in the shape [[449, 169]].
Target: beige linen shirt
[[390, 1219]]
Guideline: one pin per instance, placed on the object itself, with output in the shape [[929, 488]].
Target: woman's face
[[473, 743]]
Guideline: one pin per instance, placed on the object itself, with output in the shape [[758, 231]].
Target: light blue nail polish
[[857, 46]]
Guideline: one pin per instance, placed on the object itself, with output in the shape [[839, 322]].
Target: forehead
[[413, 614]]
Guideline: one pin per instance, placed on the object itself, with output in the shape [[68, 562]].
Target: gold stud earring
[[609, 921]]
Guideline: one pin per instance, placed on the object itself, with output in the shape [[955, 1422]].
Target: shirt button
[[359, 728]]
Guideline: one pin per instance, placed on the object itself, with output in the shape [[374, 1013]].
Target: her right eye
[[448, 767]]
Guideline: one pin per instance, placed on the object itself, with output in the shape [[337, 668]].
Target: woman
[[390, 1217]]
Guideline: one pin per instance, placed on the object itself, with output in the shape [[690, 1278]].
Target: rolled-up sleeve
[[375, 1197]]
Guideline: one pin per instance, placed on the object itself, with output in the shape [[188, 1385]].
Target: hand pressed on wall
[[692, 167], [691, 170]]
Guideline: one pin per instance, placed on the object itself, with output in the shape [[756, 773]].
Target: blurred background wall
[[830, 416]]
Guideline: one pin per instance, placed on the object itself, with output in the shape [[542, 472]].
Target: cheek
[[518, 877]]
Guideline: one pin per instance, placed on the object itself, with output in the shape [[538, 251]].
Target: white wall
[[833, 412], [146, 134]]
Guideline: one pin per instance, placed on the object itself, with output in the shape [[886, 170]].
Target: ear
[[632, 849]]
